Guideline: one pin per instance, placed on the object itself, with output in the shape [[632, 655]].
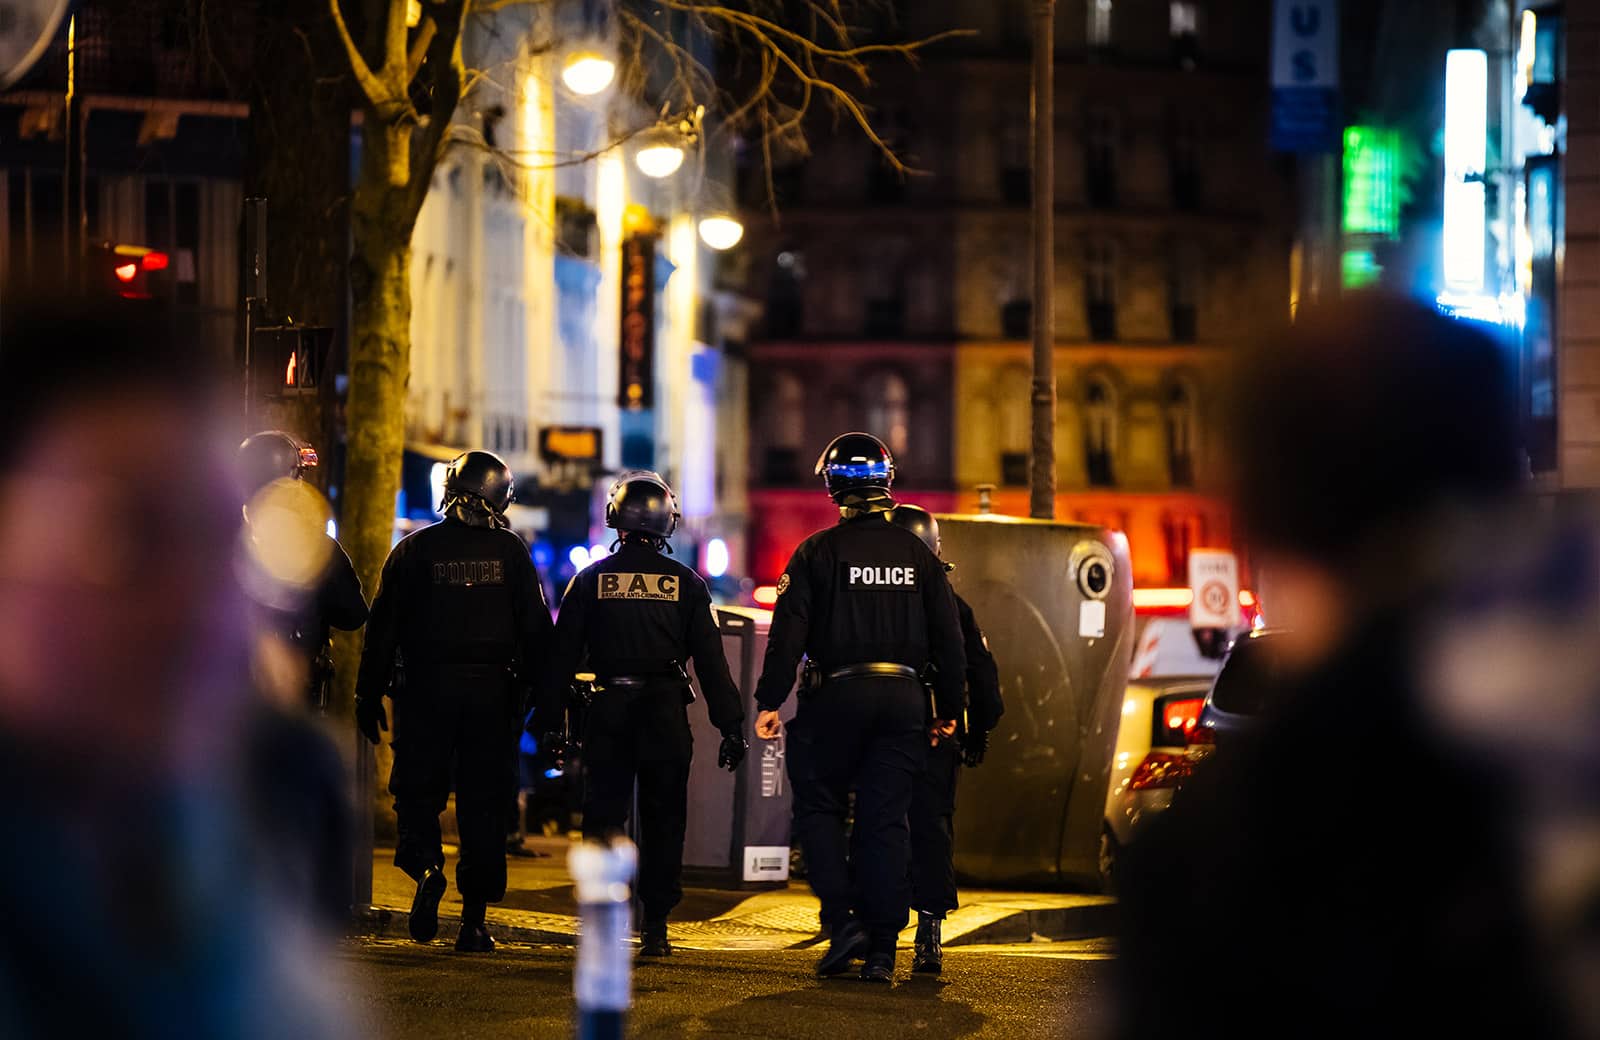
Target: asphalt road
[[1057, 990]]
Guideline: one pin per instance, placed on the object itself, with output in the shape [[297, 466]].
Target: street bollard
[[603, 979]]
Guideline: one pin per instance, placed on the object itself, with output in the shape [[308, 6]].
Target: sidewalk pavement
[[539, 909]]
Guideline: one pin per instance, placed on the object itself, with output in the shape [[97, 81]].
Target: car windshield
[[1247, 678]]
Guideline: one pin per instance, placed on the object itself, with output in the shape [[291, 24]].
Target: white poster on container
[[1214, 580]]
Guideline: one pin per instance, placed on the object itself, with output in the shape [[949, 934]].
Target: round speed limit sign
[[1214, 597]]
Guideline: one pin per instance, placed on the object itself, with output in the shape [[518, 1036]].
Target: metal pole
[[1042, 497], [602, 980]]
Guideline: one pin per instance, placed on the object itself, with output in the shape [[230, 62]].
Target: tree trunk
[[380, 359]]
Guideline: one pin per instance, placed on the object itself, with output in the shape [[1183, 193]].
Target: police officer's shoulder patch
[[783, 584], [625, 585]]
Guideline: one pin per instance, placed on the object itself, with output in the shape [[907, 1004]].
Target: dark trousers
[[867, 737], [641, 736], [456, 731], [932, 819]]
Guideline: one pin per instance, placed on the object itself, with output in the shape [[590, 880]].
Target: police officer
[[870, 605], [337, 601], [460, 612], [933, 803], [636, 617], [302, 813]]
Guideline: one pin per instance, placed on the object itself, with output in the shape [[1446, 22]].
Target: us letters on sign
[[623, 585], [887, 577]]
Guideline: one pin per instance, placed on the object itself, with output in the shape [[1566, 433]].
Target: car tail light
[[1161, 769], [1181, 716], [1202, 736]]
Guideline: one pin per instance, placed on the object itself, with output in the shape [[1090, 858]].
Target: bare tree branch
[[371, 86], [419, 47]]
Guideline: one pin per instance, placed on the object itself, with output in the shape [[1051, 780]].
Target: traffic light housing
[[287, 360], [131, 271]]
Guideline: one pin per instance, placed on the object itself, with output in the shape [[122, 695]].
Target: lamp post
[[1042, 482]]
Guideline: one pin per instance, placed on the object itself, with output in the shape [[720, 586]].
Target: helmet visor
[[864, 470]]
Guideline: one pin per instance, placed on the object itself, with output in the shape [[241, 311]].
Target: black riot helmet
[[856, 462], [919, 522], [643, 503], [481, 475], [273, 455]]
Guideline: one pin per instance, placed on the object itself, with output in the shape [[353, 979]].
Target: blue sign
[[1305, 76]]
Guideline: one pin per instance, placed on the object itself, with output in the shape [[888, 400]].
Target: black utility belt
[[871, 670]]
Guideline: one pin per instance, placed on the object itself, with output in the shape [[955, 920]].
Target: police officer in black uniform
[[933, 803], [636, 617], [302, 814], [869, 604], [460, 614], [337, 601]]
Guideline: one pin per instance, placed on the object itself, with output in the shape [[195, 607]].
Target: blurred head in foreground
[[117, 518], [1351, 433]]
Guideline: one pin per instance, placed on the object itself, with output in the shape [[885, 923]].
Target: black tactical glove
[[732, 751], [973, 747], [371, 719]]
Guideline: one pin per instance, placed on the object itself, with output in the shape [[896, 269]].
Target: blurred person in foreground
[[302, 585], [1347, 870], [130, 893]]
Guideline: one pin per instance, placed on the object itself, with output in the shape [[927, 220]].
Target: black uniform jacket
[[984, 705], [865, 591], [455, 595], [640, 614]]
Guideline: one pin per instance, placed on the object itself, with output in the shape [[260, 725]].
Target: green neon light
[[1372, 166], [1358, 268]]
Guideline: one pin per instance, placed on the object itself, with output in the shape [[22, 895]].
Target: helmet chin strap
[[860, 503], [474, 512]]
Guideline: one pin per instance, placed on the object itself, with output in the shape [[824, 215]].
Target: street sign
[[570, 443], [1305, 76], [637, 368], [1214, 579]]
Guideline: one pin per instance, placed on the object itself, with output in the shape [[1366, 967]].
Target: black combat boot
[[849, 944], [425, 906], [879, 968], [474, 937], [929, 954], [653, 940]]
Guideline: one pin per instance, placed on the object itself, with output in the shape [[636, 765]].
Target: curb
[[1058, 924], [383, 923]]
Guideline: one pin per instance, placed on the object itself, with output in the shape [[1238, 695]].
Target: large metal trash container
[[738, 833]]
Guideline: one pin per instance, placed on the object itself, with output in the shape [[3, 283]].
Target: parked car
[[1242, 691], [1151, 758]]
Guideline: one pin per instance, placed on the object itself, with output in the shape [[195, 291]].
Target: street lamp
[[721, 232], [588, 72], [660, 152]]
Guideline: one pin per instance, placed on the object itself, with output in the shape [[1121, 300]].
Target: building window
[[881, 279], [1181, 532], [1180, 435], [1100, 290], [1016, 319], [1013, 393], [1099, 432], [1185, 165], [785, 420], [1182, 286], [785, 295], [1100, 157], [885, 183], [1016, 168], [1099, 28], [1184, 23], [888, 410]]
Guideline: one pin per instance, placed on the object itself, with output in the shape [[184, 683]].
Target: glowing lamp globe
[[721, 232], [588, 73]]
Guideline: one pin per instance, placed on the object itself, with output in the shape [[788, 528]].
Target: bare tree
[[789, 60]]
